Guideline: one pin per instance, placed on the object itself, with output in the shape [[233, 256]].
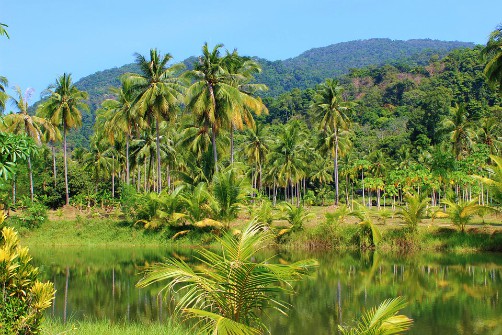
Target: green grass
[[54, 327]]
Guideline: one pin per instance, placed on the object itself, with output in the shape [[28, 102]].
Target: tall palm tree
[[212, 97], [489, 132], [64, 108], [460, 130], [241, 71], [122, 117], [159, 92], [256, 147], [29, 125], [333, 113], [492, 53]]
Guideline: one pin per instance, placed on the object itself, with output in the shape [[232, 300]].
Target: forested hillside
[[306, 70]]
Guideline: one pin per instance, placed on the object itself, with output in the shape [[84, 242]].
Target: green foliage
[[34, 215], [414, 211], [24, 298], [230, 291], [229, 189], [383, 320], [461, 213]]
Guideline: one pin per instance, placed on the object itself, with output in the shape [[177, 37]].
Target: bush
[[34, 215], [23, 297]]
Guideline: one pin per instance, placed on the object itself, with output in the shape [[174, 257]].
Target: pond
[[447, 294]]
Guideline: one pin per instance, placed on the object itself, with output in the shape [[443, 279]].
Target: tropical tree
[[122, 117], [461, 213], [159, 92], [3, 95], [64, 108], [256, 146], [492, 53], [229, 189], [30, 125], [241, 71], [231, 292], [414, 211], [214, 96], [333, 113], [460, 130], [383, 320], [494, 181]]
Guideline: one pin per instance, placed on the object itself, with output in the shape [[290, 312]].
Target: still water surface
[[448, 294]]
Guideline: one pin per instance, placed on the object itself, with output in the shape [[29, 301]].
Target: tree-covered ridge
[[306, 70], [315, 65]]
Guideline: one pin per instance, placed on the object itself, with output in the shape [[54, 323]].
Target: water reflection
[[448, 294]]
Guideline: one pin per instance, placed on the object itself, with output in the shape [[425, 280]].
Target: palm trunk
[[14, 189], [362, 181], [215, 153], [65, 166], [336, 168], [30, 172], [113, 176], [159, 175], [127, 159], [213, 128], [232, 144], [54, 164]]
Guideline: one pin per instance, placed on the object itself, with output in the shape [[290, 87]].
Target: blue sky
[[81, 37]]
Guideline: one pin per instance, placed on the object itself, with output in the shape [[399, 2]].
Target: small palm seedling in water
[[383, 320], [231, 291]]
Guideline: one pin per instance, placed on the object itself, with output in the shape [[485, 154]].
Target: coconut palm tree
[[333, 113], [122, 117], [489, 132], [64, 108], [460, 130], [213, 97], [233, 289], [461, 213], [241, 71], [29, 125], [159, 92], [492, 53], [414, 211], [256, 146]]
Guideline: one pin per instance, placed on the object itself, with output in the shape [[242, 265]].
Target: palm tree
[[333, 113], [460, 213], [414, 211], [158, 93], [63, 108], [233, 289], [490, 133], [213, 97], [255, 148], [122, 117], [459, 129], [383, 320], [492, 53], [241, 71], [3, 96], [230, 190], [494, 181], [288, 157], [29, 125]]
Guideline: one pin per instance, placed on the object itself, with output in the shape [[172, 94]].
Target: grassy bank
[[50, 326], [77, 229]]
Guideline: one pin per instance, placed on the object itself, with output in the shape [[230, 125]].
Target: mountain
[[306, 70]]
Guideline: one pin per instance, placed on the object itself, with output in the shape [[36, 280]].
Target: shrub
[[34, 215], [23, 297]]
